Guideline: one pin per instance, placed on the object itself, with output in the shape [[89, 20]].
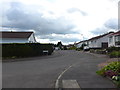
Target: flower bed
[[112, 70]]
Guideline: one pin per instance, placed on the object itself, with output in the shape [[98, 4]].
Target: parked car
[[86, 48]]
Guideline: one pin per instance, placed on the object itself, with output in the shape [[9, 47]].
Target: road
[[42, 72]]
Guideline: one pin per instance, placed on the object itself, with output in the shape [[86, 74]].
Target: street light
[[83, 40]]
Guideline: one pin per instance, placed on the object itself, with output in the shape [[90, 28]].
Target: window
[[117, 40], [110, 39]]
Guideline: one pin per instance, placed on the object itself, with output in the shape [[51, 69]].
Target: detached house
[[17, 37], [79, 44], [114, 39], [99, 41]]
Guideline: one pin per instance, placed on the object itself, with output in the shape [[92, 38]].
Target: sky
[[67, 21]]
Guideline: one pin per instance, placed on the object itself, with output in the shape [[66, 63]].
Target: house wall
[[13, 40], [79, 45], [92, 43], [103, 40], [97, 43], [32, 39], [111, 42]]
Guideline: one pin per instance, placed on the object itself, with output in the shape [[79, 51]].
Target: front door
[[104, 44]]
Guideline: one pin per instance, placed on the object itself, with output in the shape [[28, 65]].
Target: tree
[[59, 44]]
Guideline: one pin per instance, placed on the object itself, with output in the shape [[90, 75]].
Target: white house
[[114, 39], [79, 44], [99, 41], [17, 37]]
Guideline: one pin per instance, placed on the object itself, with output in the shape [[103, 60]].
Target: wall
[[79, 45], [32, 38], [14, 40], [97, 43], [112, 43]]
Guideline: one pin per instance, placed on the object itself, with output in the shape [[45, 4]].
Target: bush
[[101, 51], [111, 49], [114, 66], [72, 48], [114, 54], [92, 51], [112, 70], [25, 49]]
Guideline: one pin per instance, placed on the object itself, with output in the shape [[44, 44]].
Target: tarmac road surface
[[64, 66]]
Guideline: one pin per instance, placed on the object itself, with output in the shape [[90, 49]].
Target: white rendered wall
[[32, 38], [14, 40]]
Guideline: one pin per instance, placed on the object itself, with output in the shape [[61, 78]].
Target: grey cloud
[[118, 23], [50, 12], [72, 10], [99, 31], [23, 18], [61, 38], [58, 26], [107, 26], [66, 40], [111, 23]]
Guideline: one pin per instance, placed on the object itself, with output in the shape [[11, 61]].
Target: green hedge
[[25, 49], [111, 49], [114, 54]]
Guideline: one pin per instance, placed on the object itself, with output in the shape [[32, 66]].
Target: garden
[[111, 71], [110, 68]]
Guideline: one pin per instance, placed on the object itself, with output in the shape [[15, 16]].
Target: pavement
[[63, 69]]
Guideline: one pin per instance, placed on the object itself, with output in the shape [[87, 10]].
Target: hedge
[[111, 49], [25, 49], [114, 54]]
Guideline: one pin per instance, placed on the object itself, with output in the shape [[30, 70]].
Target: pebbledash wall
[[97, 43]]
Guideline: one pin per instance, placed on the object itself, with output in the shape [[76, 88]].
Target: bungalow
[[99, 41], [17, 37], [79, 44], [114, 39]]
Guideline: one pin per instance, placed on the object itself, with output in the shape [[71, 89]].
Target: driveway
[[43, 72]]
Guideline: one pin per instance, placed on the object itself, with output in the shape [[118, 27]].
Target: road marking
[[70, 84], [57, 81]]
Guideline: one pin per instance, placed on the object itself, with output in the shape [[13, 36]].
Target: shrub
[[72, 48], [112, 70], [92, 51], [25, 49], [78, 49], [111, 49], [114, 54], [110, 73], [113, 67], [101, 51]]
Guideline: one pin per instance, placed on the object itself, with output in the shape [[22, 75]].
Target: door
[[104, 45]]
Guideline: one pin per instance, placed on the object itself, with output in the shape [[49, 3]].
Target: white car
[[86, 48]]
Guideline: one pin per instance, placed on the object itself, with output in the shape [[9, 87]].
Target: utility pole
[[83, 40]]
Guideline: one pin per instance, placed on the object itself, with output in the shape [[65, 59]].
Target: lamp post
[[83, 40]]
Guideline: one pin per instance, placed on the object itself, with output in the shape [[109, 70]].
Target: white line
[[70, 84], [57, 81]]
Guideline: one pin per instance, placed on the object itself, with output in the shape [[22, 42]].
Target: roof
[[116, 33], [81, 41], [8, 34], [100, 36]]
